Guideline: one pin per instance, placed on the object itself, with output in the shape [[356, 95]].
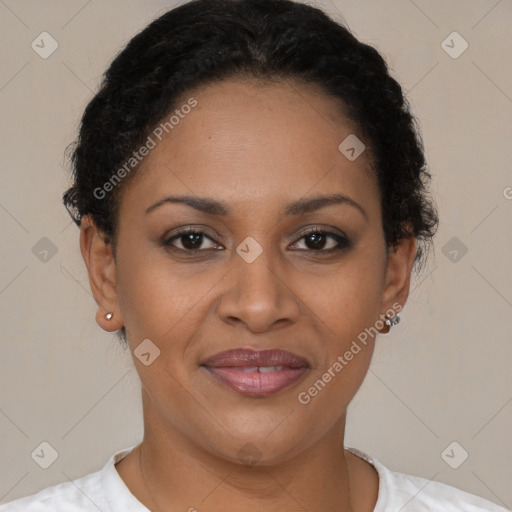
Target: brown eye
[[324, 241], [190, 240]]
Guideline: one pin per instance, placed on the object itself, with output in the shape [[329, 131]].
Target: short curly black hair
[[204, 41]]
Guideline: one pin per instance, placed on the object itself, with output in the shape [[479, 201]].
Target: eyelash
[[342, 241]]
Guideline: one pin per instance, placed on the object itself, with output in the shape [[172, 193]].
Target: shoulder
[[410, 493], [81, 495], [415, 493], [103, 490]]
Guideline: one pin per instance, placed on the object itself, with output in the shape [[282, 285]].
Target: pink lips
[[256, 373]]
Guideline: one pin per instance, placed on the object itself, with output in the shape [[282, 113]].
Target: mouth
[[256, 373]]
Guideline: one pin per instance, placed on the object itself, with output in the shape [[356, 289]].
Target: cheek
[[167, 305], [153, 294], [345, 302], [346, 311], [345, 307]]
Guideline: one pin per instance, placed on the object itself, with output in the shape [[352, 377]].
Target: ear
[[98, 257], [398, 274]]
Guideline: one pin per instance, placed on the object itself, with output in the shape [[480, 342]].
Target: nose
[[259, 295]]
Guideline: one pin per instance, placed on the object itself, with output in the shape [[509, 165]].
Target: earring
[[391, 321], [108, 316]]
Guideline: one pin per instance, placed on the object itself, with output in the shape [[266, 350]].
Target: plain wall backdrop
[[441, 376]]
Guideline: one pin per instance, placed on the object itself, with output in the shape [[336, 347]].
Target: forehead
[[247, 141]]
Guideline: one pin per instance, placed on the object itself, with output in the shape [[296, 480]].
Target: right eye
[[190, 240]]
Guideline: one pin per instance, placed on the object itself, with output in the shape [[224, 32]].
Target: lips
[[256, 373]]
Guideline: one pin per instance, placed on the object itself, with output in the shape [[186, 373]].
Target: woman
[[251, 194]]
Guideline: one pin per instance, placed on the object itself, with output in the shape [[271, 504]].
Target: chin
[[266, 447]]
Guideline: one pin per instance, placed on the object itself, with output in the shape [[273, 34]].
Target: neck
[[179, 474]]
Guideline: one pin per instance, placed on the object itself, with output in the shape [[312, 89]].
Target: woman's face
[[257, 161]]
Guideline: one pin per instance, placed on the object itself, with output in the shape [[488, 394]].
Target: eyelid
[[327, 230]]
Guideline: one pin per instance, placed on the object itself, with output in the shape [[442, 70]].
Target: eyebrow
[[299, 207]]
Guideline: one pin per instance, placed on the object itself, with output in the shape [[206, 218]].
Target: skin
[[255, 147]]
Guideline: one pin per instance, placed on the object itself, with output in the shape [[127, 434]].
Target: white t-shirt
[[106, 491]]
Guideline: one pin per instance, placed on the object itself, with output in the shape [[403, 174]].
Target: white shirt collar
[[120, 499], [116, 492]]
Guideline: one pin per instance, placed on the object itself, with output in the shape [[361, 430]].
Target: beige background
[[443, 375]]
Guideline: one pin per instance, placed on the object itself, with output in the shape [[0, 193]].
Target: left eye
[[316, 241]]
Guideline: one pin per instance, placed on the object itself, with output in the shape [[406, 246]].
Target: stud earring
[[391, 321], [108, 316]]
